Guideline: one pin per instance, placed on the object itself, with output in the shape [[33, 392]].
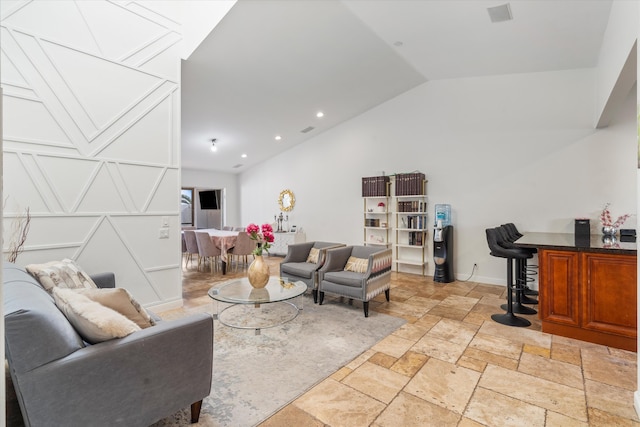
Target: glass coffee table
[[249, 308]]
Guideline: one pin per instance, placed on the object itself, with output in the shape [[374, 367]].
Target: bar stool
[[507, 318], [521, 277], [529, 270]]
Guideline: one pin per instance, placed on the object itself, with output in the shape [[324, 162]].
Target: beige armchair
[[303, 261], [356, 272]]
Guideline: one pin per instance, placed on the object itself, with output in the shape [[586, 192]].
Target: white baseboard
[[636, 401]]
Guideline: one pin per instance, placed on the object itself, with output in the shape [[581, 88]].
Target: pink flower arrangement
[[607, 221], [263, 235]]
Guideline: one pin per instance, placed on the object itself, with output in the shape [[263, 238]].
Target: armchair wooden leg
[[195, 411], [365, 305], [315, 295], [386, 294], [321, 298]]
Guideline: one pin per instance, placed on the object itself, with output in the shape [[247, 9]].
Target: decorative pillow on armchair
[[357, 265], [314, 253], [62, 274]]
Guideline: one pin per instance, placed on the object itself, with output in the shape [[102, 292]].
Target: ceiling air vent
[[239, 165], [307, 129], [500, 13]]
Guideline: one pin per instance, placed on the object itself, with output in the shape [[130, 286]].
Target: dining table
[[224, 240]]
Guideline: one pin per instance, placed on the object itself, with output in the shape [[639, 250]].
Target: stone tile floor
[[451, 365]]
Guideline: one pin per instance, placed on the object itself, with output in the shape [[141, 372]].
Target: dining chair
[[243, 248], [207, 250], [192, 247]]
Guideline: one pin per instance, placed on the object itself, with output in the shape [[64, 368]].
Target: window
[[186, 206]]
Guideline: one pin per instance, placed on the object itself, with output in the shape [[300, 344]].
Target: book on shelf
[[410, 184], [375, 186], [412, 206], [416, 222], [372, 222], [416, 238]]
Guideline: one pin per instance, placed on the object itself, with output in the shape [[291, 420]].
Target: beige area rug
[[256, 375]]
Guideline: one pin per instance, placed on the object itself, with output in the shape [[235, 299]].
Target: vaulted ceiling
[[270, 65]]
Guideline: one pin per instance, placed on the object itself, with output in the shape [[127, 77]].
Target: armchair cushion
[[346, 278], [93, 321], [299, 269], [64, 274], [313, 255]]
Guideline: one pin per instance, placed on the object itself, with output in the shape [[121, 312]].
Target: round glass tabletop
[[240, 291]]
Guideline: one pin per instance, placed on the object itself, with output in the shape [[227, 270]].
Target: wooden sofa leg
[[386, 294], [315, 296], [365, 305], [195, 411], [321, 298]]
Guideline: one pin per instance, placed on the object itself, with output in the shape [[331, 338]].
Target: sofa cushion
[[120, 300], [63, 274], [299, 269], [357, 265], [314, 253], [93, 321]]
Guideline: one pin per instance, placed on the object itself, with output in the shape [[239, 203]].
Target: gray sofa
[[60, 380]]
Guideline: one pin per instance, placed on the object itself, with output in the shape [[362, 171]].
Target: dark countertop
[[568, 242]]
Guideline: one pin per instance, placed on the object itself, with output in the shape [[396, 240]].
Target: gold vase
[[258, 272]]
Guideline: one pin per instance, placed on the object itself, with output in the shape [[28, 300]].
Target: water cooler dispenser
[[443, 245]]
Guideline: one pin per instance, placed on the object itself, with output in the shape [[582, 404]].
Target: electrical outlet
[[164, 233]]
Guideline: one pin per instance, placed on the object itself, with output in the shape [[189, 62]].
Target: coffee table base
[[258, 316]]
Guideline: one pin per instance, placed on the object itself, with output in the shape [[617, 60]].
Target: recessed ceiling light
[[213, 145], [243, 156], [278, 138], [319, 114]]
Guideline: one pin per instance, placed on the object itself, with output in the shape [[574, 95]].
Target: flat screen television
[[209, 199]]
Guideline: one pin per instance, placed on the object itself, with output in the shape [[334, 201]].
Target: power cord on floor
[[473, 270]]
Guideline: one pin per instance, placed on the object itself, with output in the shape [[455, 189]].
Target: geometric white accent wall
[[91, 143]]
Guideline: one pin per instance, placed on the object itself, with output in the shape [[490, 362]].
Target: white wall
[[92, 135], [616, 71], [517, 148], [217, 180]]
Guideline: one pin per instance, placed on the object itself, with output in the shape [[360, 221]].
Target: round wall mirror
[[287, 200]]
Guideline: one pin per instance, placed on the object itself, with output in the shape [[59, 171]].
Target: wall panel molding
[[92, 139]]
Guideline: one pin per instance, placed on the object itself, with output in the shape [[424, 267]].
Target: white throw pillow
[[93, 321], [62, 274], [120, 300]]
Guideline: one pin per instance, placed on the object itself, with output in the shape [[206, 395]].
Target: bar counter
[[588, 287], [566, 241]]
